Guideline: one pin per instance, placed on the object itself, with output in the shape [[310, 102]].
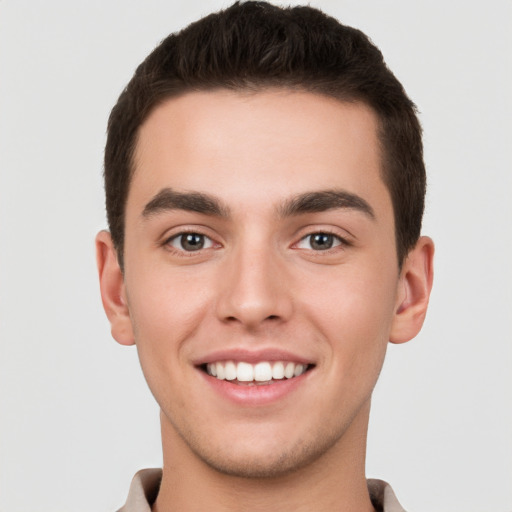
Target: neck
[[334, 481]]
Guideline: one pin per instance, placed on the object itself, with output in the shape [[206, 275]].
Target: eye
[[320, 241], [190, 242]]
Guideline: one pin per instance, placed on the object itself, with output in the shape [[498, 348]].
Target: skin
[[259, 284]]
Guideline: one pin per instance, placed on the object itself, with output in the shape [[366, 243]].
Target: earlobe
[[113, 290], [414, 290]]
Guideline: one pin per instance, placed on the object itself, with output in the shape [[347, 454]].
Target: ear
[[113, 294], [414, 288]]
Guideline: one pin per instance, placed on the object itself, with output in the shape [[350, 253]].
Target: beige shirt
[[145, 485]]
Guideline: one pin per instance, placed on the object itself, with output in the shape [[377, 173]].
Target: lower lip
[[255, 395]]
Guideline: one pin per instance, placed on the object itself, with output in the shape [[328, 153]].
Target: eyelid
[[180, 235], [177, 232], [338, 241], [184, 229], [345, 238]]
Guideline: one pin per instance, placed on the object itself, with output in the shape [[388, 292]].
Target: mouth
[[259, 374]]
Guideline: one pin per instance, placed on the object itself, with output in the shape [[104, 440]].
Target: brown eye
[[319, 242], [190, 242]]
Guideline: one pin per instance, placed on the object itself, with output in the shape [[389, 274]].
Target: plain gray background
[[76, 418]]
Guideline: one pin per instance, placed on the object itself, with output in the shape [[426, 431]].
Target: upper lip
[[251, 356]]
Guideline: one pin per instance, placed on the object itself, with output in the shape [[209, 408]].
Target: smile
[[261, 373]]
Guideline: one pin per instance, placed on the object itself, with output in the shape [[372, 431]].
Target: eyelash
[[179, 238], [336, 241]]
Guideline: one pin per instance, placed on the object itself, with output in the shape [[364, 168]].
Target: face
[[261, 280]]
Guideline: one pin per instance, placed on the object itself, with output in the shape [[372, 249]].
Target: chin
[[256, 461], [260, 466]]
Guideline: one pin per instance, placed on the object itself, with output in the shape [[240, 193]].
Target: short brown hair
[[256, 45]]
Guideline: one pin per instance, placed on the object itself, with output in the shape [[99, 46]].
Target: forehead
[[266, 143]]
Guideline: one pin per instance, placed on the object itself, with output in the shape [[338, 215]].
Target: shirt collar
[[146, 483]]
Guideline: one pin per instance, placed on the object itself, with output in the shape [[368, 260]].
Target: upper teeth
[[259, 372]]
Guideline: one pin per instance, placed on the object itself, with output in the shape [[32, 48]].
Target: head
[[265, 189], [254, 46]]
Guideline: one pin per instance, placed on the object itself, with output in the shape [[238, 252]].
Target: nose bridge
[[253, 284]]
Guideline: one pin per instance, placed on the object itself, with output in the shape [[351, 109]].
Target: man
[[265, 188]]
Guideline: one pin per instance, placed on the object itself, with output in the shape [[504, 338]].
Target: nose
[[254, 289]]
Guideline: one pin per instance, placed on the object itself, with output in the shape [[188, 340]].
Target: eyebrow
[[324, 200], [168, 199], [309, 202]]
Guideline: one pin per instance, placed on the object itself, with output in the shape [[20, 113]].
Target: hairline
[[253, 87]]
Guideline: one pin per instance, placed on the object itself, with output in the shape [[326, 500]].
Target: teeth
[[221, 374], [262, 372], [230, 370], [289, 370], [278, 371], [244, 372]]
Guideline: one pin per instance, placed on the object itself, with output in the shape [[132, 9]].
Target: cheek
[[165, 312], [354, 313], [166, 303], [355, 303]]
